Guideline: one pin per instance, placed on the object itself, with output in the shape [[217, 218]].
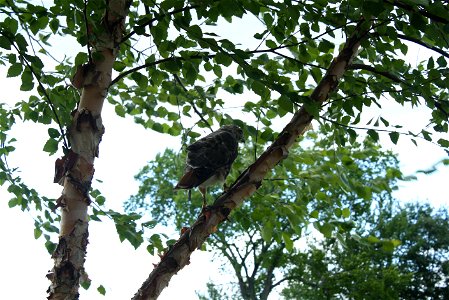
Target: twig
[[47, 97], [195, 109], [377, 129], [420, 42]]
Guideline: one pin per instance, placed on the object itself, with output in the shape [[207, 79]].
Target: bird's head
[[235, 131]]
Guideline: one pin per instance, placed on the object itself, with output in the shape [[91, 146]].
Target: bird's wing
[[214, 151]]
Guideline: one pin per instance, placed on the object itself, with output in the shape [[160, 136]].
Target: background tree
[[416, 268], [173, 65]]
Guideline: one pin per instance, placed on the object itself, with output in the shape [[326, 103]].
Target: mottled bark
[[249, 181], [75, 170]]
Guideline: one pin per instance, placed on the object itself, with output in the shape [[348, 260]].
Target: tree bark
[[176, 257], [75, 170]]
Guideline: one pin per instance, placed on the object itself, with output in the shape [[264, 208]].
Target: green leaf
[[14, 70], [394, 137], [50, 246], [13, 202], [37, 232], [267, 231], [100, 200], [285, 103], [373, 134], [443, 143], [270, 44], [81, 58], [326, 229], [372, 239], [346, 212], [4, 43], [101, 290], [195, 32], [51, 146], [223, 59], [27, 81], [53, 133], [288, 241], [259, 88], [85, 284], [54, 25], [120, 110], [11, 25]]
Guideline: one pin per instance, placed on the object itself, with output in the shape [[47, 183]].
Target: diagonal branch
[[195, 109], [420, 42], [178, 256], [376, 71]]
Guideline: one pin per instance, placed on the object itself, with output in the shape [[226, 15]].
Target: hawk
[[210, 158]]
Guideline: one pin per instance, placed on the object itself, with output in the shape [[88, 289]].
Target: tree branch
[[157, 18], [417, 9], [420, 42], [46, 96], [250, 180], [376, 71]]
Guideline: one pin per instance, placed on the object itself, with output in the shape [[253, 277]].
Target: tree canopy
[[177, 67]]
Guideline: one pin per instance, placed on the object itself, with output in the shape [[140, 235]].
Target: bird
[[210, 158]]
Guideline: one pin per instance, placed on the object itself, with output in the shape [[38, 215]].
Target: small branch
[[195, 109], [376, 129], [298, 278], [374, 70], [46, 96], [298, 61], [420, 42], [416, 9], [204, 55], [157, 18], [395, 78]]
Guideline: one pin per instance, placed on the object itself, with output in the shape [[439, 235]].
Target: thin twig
[[377, 129], [195, 109], [47, 97], [420, 42]]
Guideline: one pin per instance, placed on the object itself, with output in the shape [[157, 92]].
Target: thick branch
[[250, 180]]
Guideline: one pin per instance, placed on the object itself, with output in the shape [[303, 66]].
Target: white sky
[[125, 148]]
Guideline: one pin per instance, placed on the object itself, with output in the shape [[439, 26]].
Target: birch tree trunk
[[76, 169], [250, 180]]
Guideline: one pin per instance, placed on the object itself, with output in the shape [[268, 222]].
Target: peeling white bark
[[77, 167]]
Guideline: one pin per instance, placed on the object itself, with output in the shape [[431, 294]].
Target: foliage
[[415, 269]]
